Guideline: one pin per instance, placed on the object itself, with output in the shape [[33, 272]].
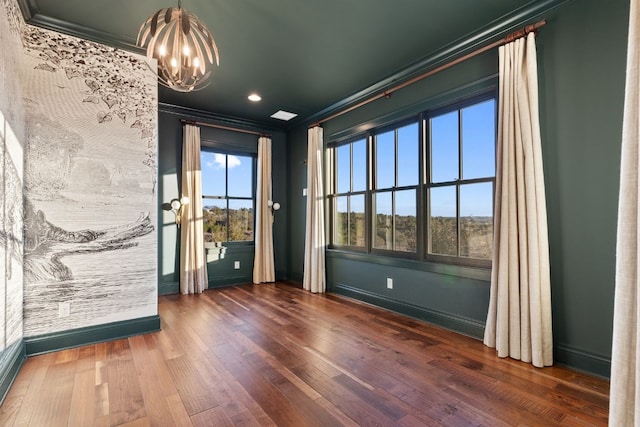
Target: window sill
[[477, 273]]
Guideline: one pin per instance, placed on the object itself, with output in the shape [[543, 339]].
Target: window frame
[[333, 194], [227, 153], [423, 235], [458, 182], [394, 127]]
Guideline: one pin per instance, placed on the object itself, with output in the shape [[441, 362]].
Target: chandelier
[[182, 45]]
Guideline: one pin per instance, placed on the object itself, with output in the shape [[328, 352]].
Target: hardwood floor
[[275, 355]]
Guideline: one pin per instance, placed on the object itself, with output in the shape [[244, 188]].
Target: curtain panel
[[193, 265], [314, 279], [519, 317], [263, 264], [624, 398]]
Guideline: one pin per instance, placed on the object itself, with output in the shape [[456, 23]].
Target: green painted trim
[[168, 288], [296, 277], [488, 34], [224, 281], [195, 114], [8, 373], [458, 324], [90, 335], [101, 37], [475, 273], [582, 360], [281, 275], [28, 8], [471, 90]]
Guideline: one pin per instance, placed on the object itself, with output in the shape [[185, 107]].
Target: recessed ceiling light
[[283, 115], [254, 97]]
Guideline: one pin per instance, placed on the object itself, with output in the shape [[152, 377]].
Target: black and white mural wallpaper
[[12, 136], [90, 184]]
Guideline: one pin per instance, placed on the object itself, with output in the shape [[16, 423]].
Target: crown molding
[[32, 16], [193, 113], [493, 31]]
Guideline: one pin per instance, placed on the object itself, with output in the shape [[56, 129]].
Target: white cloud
[[233, 162], [218, 161]]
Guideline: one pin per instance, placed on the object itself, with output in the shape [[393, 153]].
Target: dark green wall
[[221, 271], [582, 69], [581, 54]]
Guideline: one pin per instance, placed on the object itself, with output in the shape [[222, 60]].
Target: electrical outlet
[[236, 265], [64, 309], [304, 192], [389, 283]]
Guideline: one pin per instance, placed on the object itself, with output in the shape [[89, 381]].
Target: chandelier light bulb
[[162, 51]]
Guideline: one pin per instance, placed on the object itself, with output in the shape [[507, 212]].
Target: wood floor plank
[[126, 402], [214, 417], [82, 408], [54, 401], [179, 415], [275, 355], [194, 391], [154, 384]]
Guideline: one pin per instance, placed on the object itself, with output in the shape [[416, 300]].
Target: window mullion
[[460, 177]]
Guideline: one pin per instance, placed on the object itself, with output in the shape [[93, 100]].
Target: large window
[[228, 196], [421, 189]]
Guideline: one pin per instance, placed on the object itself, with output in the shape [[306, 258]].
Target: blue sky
[[478, 161], [214, 176]]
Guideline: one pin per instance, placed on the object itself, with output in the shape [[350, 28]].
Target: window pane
[[214, 220], [383, 222], [478, 140], [356, 221], [360, 165], [385, 160], [444, 147], [340, 221], [240, 220], [213, 173], [476, 220], [442, 221], [240, 176], [405, 220], [408, 140], [344, 168]]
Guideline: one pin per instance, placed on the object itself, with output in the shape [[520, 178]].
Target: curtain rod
[[211, 125], [387, 93]]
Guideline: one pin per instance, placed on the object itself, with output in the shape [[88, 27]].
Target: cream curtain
[[314, 271], [624, 397], [519, 317], [263, 268], [193, 265]]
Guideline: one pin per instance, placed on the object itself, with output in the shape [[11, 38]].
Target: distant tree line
[[217, 221], [476, 234]]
